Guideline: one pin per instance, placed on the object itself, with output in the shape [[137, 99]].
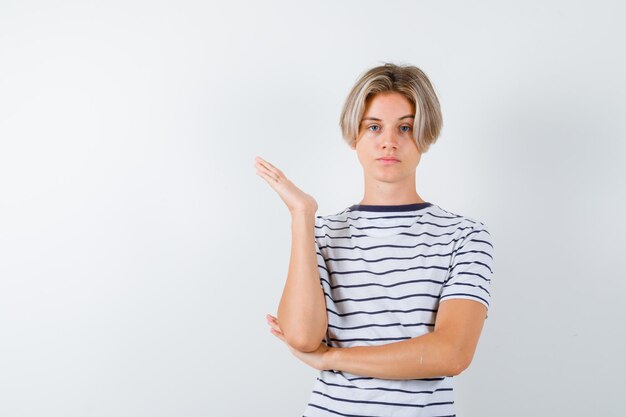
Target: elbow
[[304, 338], [303, 344], [456, 354], [458, 358], [460, 363], [457, 369]]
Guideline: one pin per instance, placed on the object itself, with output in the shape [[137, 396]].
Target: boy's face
[[386, 130]]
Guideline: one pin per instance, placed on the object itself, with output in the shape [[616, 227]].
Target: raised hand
[[297, 201]]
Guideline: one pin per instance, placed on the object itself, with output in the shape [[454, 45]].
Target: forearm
[[302, 308], [426, 356]]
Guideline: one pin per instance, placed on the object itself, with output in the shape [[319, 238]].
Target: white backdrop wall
[[140, 252]]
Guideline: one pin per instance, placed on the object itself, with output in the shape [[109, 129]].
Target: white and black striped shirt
[[384, 271]]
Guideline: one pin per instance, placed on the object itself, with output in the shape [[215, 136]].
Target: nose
[[390, 140]]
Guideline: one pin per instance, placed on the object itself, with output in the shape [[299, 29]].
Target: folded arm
[[446, 351]]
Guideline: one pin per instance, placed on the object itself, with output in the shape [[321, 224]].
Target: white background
[[140, 252]]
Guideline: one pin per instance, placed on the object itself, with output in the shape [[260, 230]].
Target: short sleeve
[[320, 243], [471, 268]]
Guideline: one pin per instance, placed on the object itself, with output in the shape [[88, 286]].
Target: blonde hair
[[407, 80]]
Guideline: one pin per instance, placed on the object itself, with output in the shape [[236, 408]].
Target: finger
[[275, 169], [274, 326], [274, 330], [272, 181], [271, 318], [266, 172], [270, 168], [263, 164], [267, 164], [278, 335], [274, 177], [272, 173]]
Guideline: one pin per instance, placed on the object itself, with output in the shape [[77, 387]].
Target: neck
[[378, 193]]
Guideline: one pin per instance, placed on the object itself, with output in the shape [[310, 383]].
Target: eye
[[373, 126], [408, 128]]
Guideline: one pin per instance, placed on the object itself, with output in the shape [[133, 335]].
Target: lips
[[388, 161]]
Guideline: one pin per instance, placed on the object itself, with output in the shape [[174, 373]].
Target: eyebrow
[[379, 120]]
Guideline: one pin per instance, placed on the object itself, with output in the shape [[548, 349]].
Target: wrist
[[303, 219], [303, 213], [332, 359]]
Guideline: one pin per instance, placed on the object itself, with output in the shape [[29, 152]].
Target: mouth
[[388, 160]]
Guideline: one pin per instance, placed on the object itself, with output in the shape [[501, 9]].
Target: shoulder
[[327, 226], [465, 226], [332, 219]]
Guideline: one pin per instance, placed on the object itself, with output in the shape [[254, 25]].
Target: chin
[[388, 178]]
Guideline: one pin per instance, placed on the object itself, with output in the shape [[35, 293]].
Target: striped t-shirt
[[384, 271]]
